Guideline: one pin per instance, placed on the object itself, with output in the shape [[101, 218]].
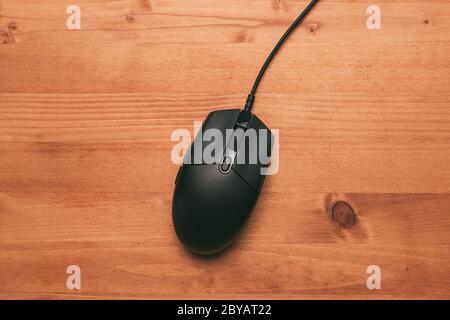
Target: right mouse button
[[254, 154]]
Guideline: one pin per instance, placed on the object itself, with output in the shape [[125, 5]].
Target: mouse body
[[213, 200]]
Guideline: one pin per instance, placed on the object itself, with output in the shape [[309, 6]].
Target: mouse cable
[[251, 96]]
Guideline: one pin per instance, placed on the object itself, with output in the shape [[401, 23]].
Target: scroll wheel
[[226, 164]]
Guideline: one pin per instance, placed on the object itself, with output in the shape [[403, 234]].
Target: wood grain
[[86, 118]]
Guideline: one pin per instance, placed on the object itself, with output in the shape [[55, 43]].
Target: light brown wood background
[[86, 118]]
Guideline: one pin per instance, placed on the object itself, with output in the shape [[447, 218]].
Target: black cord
[[251, 96]]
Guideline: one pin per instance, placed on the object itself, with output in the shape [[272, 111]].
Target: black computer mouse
[[213, 201]]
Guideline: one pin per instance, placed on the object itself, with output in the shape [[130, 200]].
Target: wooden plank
[[210, 49], [86, 118], [146, 167], [125, 245]]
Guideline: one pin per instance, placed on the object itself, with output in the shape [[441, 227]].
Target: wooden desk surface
[[86, 118]]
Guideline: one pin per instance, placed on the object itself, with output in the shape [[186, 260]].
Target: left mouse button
[[178, 175]]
